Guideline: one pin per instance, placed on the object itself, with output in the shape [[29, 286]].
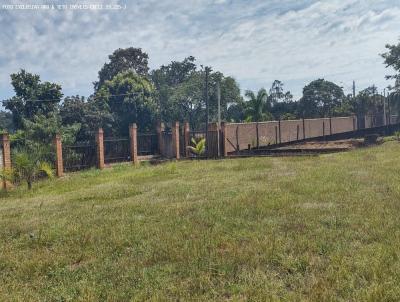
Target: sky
[[254, 41]]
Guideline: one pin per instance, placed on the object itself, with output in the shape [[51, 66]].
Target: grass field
[[294, 229]]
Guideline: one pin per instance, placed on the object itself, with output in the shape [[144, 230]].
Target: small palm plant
[[27, 168], [397, 135], [199, 147]]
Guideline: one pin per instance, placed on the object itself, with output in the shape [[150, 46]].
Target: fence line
[[173, 143]]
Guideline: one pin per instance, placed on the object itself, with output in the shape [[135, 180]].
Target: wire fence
[[117, 150], [79, 156], [147, 144]]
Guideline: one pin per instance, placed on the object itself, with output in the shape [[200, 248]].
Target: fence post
[[323, 129], [304, 129], [223, 131], [186, 135], [237, 139], [100, 148], [59, 156], [133, 143], [160, 130], [297, 133], [258, 138], [6, 158], [280, 137], [175, 140], [330, 125]]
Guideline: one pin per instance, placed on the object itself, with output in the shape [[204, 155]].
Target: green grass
[[294, 229]]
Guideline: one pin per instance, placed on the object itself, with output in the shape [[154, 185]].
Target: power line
[[92, 98]]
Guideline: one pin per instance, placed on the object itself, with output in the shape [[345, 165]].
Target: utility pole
[[384, 107], [354, 89], [207, 69], [219, 117]]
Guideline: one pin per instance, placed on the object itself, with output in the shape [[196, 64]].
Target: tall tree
[[320, 98], [282, 104], [257, 106], [123, 60], [392, 59], [181, 92], [32, 97], [6, 121], [91, 115], [130, 98], [368, 101], [171, 86]]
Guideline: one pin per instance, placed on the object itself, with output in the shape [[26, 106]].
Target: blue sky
[[255, 41]]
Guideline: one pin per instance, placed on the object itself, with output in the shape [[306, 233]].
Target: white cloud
[[255, 41]]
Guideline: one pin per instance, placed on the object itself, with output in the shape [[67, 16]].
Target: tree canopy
[[32, 97], [320, 98], [123, 60], [392, 59]]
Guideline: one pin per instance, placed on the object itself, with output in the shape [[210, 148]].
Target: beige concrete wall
[[246, 133], [343, 124], [289, 130]]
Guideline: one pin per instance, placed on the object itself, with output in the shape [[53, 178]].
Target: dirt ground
[[340, 144]]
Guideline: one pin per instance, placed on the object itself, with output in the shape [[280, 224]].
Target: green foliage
[[6, 121], [27, 167], [392, 59], [32, 97], [90, 115], [257, 106], [37, 136], [320, 98], [130, 99], [397, 135], [281, 102], [181, 92], [199, 147], [368, 101], [121, 61], [288, 116]]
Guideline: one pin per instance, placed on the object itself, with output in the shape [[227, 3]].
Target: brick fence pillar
[[133, 143], [224, 140], [175, 140], [6, 152], [100, 148], [59, 156], [186, 133], [160, 130]]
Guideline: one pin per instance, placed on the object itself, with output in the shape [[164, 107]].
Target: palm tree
[[199, 147], [26, 167], [257, 106]]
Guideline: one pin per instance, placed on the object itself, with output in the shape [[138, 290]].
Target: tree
[[230, 94], [181, 92], [257, 106], [130, 99], [368, 101], [236, 112], [187, 102], [171, 83], [6, 122], [320, 98], [282, 104], [123, 60], [32, 97], [392, 59], [27, 167], [90, 115], [38, 134]]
